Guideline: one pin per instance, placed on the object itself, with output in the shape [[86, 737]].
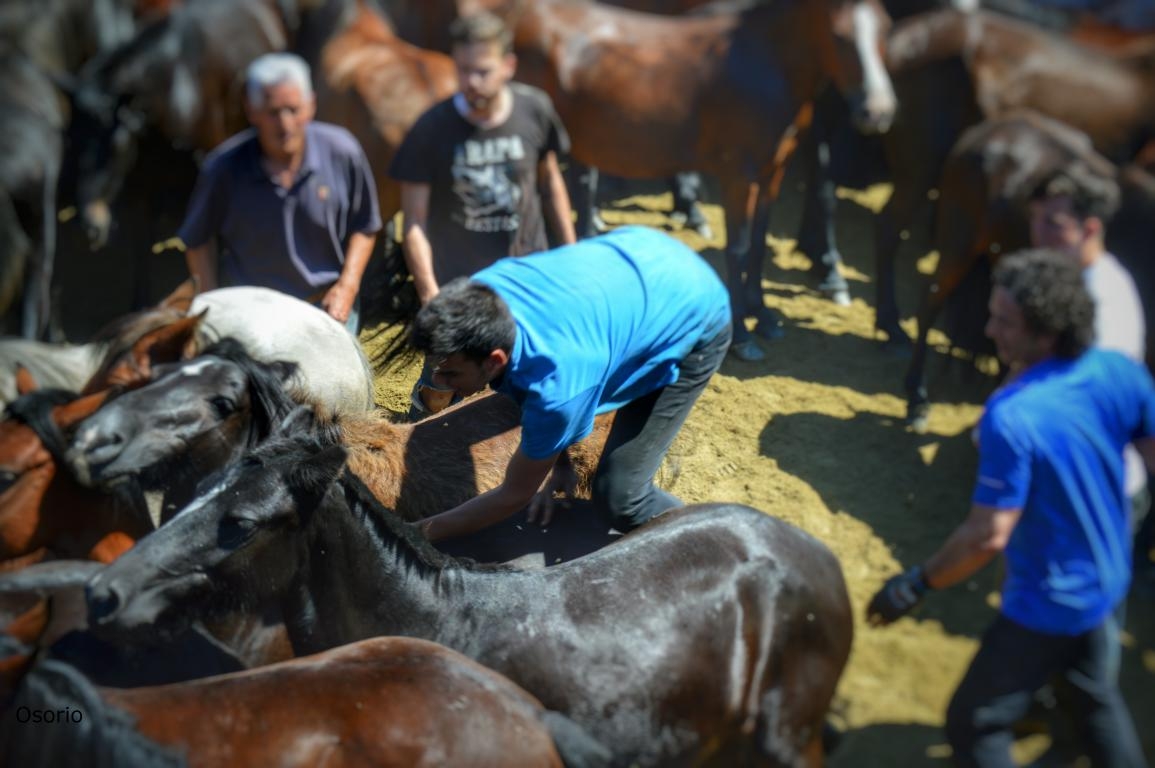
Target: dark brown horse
[[385, 701], [644, 96], [986, 186], [953, 70], [715, 633]]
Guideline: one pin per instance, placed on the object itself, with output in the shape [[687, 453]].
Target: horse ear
[[25, 381], [300, 419], [167, 344], [311, 478], [70, 414], [181, 298]]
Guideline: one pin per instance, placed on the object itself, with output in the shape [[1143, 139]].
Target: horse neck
[[932, 37], [321, 23], [363, 574]]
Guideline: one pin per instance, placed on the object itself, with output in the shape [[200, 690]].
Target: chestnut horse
[[202, 415], [44, 512], [985, 190], [644, 96], [385, 701], [953, 70], [713, 633]]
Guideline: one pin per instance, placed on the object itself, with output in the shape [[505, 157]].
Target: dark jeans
[[1011, 664], [643, 430]]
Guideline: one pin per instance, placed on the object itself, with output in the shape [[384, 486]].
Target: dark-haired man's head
[[467, 332], [1039, 308], [1070, 209]]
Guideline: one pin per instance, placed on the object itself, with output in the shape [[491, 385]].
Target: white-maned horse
[[332, 367]]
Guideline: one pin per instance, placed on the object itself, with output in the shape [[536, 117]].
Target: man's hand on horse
[[562, 481], [338, 301], [899, 596]]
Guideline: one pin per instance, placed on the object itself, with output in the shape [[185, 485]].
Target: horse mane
[[267, 393], [34, 410], [362, 502], [358, 499], [104, 735]]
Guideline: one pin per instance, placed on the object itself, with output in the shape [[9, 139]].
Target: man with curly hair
[[1050, 495]]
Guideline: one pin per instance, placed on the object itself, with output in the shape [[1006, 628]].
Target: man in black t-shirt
[[479, 173]]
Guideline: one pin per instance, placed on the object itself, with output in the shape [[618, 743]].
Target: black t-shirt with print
[[483, 201]]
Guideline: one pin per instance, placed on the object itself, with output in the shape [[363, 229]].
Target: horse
[[202, 415], [371, 82], [986, 186], [60, 35], [31, 122], [177, 76], [726, 93], [44, 512], [333, 369], [713, 633], [954, 70], [385, 701]]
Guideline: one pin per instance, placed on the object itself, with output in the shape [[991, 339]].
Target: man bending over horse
[[290, 203], [1050, 494], [631, 321]]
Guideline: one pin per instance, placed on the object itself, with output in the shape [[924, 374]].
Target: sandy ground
[[815, 435]]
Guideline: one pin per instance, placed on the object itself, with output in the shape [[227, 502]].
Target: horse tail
[[930, 38], [575, 746], [389, 303], [57, 716], [15, 247]]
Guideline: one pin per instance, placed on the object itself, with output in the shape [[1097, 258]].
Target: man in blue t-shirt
[[631, 321], [1050, 494]]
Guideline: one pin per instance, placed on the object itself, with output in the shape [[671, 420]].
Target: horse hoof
[[704, 231], [841, 297], [919, 424], [747, 351], [599, 224]]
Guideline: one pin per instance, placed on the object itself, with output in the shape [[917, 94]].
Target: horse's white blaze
[[880, 99], [195, 368], [966, 6]]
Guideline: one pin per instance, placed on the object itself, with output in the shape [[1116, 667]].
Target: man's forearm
[[357, 255], [555, 202], [202, 266], [419, 260], [480, 512]]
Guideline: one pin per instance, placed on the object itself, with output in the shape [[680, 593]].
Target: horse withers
[[714, 633]]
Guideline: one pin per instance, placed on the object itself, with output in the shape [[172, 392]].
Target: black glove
[[899, 596]]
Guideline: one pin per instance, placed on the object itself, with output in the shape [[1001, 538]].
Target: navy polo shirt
[[292, 240]]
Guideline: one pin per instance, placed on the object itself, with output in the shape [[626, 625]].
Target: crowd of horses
[[200, 507]]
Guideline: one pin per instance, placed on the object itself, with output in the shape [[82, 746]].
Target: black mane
[[35, 411], [104, 737]]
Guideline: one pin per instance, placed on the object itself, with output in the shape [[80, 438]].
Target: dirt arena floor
[[815, 435]]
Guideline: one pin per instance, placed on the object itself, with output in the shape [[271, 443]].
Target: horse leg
[[769, 322], [38, 278], [738, 200], [816, 233], [584, 185], [899, 210], [961, 237], [687, 211]]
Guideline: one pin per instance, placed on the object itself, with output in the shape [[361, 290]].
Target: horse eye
[[222, 405], [236, 530], [6, 480]]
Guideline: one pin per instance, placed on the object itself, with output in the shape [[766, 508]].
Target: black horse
[[715, 633]]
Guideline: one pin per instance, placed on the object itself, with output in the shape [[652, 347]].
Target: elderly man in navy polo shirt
[[288, 204]]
